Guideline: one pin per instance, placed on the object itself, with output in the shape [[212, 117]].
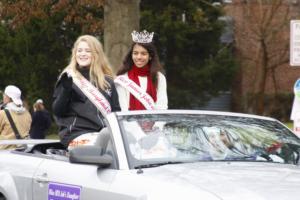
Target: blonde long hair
[[99, 65]]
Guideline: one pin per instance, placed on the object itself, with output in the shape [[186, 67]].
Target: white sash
[[136, 91], [92, 93]]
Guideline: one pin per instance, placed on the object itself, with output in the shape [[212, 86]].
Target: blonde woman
[[75, 113]]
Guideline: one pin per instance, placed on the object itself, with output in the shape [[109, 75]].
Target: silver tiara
[[142, 37]]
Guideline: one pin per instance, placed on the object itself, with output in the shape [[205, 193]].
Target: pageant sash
[[136, 91], [92, 93]]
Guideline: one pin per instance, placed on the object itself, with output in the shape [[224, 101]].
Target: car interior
[[57, 151]]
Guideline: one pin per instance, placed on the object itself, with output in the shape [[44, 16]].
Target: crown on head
[[142, 37]]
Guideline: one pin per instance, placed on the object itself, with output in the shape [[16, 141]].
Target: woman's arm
[[115, 105], [62, 95], [123, 97], [162, 97]]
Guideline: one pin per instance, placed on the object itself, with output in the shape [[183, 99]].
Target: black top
[[75, 114], [41, 122]]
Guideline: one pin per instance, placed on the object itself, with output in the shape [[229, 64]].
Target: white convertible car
[[161, 155]]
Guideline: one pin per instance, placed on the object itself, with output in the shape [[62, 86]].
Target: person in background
[[76, 114], [141, 65], [295, 114], [41, 121], [21, 118]]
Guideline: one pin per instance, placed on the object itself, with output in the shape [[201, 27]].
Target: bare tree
[[121, 17], [261, 32]]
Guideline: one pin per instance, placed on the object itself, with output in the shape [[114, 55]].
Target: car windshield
[[153, 139]]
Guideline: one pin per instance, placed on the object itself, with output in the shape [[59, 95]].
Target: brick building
[[261, 45]]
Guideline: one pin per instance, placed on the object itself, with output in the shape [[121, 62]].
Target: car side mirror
[[90, 155]]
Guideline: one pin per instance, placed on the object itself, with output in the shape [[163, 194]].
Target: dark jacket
[[75, 114], [41, 122]]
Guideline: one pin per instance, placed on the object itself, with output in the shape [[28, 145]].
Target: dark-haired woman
[[140, 84]]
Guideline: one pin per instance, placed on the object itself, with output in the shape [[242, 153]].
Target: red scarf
[[133, 74]]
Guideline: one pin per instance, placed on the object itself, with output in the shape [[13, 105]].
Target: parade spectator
[[295, 115], [141, 72], [75, 112], [41, 121], [15, 120]]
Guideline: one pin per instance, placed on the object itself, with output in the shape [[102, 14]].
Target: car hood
[[226, 180]]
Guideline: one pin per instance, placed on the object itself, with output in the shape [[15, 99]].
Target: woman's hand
[[66, 81]]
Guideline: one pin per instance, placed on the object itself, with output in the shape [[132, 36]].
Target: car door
[[16, 172], [59, 180]]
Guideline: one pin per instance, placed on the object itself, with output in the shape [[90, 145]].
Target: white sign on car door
[[295, 43]]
